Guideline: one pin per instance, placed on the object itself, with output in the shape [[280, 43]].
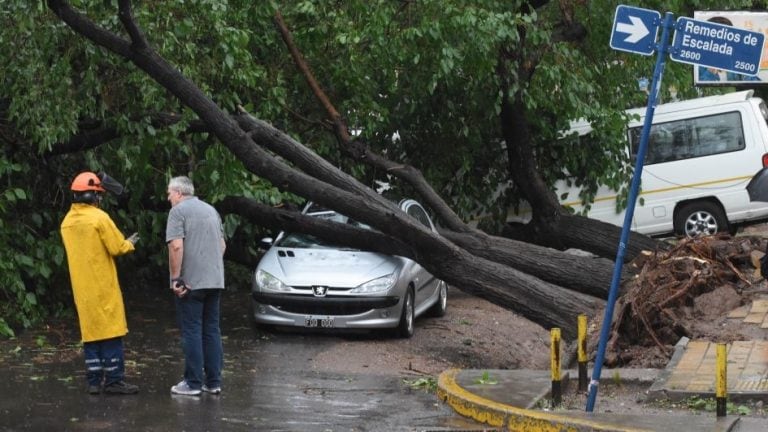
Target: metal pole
[[582, 357], [721, 381], [635, 186], [554, 347]]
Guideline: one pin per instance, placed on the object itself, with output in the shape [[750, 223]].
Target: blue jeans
[[198, 316], [104, 361]]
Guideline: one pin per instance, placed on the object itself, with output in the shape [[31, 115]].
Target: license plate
[[322, 322]]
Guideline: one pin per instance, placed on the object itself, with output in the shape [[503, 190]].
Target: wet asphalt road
[[267, 384]]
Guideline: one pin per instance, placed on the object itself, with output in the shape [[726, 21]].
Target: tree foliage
[[416, 81]]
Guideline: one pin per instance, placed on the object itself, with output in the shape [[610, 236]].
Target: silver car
[[302, 281]]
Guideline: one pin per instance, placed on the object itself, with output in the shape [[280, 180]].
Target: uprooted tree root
[[656, 308]]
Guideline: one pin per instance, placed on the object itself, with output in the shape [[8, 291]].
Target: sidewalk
[[690, 372], [509, 404]]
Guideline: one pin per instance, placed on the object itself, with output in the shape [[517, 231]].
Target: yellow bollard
[[582, 355], [557, 389], [721, 383]]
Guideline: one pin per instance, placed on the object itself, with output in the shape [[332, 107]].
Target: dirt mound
[[686, 291]]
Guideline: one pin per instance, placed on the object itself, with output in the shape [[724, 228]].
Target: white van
[[701, 155]]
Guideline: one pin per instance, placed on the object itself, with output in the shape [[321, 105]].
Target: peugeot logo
[[319, 291]]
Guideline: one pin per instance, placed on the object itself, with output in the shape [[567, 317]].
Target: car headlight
[[268, 282], [380, 284]]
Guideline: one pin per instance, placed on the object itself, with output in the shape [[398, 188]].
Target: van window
[[691, 138]]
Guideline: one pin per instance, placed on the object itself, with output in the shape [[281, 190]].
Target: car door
[[426, 284]]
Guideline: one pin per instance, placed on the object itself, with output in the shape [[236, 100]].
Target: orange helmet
[[87, 181]]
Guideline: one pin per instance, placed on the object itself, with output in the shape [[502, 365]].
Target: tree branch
[[81, 24], [126, 17], [362, 152], [342, 132], [99, 134], [332, 232]]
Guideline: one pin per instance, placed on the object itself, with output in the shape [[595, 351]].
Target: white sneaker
[[183, 388], [212, 390]]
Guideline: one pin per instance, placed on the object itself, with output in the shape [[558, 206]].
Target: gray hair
[[182, 185]]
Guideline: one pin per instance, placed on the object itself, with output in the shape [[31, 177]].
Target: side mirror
[[266, 243]]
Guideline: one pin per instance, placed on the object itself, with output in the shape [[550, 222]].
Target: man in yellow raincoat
[[92, 240]]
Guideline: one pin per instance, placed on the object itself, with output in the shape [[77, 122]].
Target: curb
[[658, 390], [512, 418]]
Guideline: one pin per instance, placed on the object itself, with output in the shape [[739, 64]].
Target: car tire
[[407, 316], [438, 309], [700, 218]]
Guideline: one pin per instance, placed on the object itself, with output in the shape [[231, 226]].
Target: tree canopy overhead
[[472, 94]]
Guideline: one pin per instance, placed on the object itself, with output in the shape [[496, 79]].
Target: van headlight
[[377, 285], [267, 282]]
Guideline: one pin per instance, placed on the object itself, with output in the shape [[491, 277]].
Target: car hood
[[327, 266]]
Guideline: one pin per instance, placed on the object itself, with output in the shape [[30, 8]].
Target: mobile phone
[[179, 283]]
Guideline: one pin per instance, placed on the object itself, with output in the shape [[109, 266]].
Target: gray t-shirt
[[199, 225]]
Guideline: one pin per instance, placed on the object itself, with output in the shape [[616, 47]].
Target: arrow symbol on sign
[[637, 30]]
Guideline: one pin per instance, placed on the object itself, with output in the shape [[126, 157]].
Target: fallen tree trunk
[[586, 275], [540, 301], [565, 231]]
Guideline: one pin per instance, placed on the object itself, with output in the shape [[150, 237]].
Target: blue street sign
[[718, 46], [635, 30]]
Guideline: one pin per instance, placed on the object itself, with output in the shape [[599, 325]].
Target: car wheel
[[405, 327], [700, 218], [438, 309]]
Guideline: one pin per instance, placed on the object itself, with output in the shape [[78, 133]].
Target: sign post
[[695, 42], [631, 200]]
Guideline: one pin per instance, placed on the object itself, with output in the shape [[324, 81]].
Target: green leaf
[[24, 260], [486, 379], [31, 299]]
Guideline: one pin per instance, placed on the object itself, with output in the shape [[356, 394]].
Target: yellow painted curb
[[512, 418]]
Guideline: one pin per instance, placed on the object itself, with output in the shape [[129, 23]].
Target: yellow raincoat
[[92, 240]]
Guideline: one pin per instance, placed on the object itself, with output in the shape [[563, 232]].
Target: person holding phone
[[92, 241], [195, 238]]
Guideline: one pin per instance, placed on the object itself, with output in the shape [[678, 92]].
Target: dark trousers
[[198, 315], [104, 361]]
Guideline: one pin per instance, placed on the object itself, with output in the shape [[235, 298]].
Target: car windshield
[[307, 241]]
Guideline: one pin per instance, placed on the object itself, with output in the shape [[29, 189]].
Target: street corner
[[452, 390], [492, 399]]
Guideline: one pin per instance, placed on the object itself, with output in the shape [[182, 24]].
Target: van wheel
[[700, 218]]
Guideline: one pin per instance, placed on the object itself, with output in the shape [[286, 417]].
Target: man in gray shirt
[[196, 247]]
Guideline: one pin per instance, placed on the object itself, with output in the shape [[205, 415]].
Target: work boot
[[121, 387]]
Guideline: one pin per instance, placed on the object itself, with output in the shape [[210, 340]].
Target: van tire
[[700, 218]]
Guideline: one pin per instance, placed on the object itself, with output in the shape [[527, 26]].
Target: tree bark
[[586, 275]]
